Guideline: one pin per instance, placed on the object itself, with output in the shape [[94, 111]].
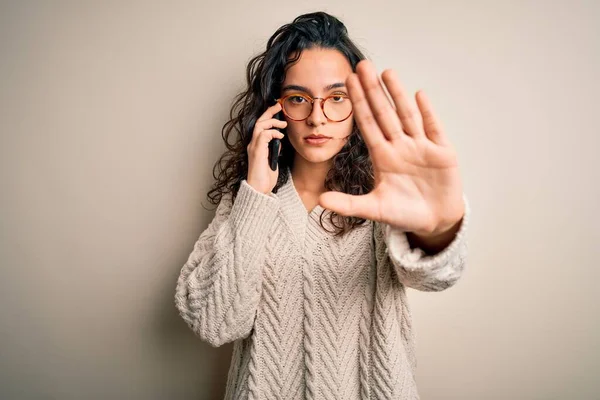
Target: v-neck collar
[[293, 209], [290, 195], [306, 225]]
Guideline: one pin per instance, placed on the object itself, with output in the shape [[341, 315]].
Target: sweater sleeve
[[428, 273], [219, 287]]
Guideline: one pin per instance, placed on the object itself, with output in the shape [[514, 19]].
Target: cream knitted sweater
[[312, 316]]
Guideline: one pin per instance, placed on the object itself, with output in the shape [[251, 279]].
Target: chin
[[312, 157]]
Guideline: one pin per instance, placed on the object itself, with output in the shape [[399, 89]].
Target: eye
[[338, 98], [297, 99]]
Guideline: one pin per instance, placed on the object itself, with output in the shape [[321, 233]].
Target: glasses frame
[[281, 100]]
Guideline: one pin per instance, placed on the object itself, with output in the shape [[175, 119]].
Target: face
[[315, 70]]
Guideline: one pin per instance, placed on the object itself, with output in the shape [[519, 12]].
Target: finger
[[350, 205], [431, 124], [410, 117], [270, 112], [266, 136], [379, 103], [270, 123], [362, 113]]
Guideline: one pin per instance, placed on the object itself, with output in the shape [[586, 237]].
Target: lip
[[316, 140], [317, 137]]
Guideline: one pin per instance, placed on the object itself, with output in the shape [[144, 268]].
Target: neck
[[309, 177]]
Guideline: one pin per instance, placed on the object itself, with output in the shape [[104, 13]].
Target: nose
[[316, 116]]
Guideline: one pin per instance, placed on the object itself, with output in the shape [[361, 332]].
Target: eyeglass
[[298, 106]]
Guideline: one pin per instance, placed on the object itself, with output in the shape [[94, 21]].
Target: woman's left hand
[[417, 182]]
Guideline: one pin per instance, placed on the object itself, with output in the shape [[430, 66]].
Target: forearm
[[218, 289]]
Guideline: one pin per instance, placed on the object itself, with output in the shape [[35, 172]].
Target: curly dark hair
[[352, 170]]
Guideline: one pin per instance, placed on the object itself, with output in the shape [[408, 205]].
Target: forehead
[[317, 68]]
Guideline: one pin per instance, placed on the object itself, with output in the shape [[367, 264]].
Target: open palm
[[417, 181]]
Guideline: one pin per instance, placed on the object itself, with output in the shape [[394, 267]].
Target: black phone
[[274, 146]]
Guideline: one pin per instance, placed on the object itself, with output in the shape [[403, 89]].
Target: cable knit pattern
[[312, 316]]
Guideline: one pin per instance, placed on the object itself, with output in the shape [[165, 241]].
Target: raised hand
[[417, 181]]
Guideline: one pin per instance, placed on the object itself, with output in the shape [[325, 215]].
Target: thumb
[[362, 206]]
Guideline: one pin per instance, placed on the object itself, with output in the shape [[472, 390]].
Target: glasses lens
[[297, 107], [336, 108]]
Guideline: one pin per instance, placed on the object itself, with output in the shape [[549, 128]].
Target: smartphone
[[274, 146]]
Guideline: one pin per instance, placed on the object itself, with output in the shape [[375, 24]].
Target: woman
[[305, 268]]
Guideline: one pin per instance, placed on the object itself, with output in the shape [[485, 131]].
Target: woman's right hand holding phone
[[260, 176]]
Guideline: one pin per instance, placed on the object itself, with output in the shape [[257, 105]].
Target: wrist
[[436, 241]]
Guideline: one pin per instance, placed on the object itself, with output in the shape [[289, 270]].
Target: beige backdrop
[[110, 119]]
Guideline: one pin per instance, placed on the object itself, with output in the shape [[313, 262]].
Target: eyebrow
[[306, 90]]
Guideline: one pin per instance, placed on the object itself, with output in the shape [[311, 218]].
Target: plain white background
[[110, 122]]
